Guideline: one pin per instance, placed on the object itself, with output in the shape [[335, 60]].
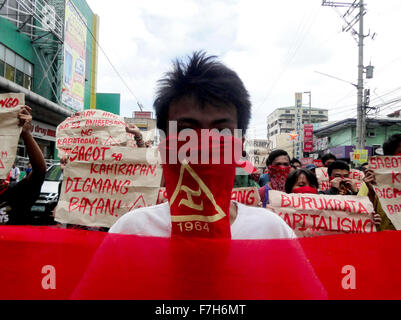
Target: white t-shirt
[[14, 173], [250, 223]]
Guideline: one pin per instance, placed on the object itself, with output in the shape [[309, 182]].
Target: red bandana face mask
[[305, 189], [278, 176], [199, 194]]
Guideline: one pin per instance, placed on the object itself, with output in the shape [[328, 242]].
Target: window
[[2, 68], [15, 68], [2, 59], [320, 112], [289, 121], [287, 111], [19, 78], [10, 72]]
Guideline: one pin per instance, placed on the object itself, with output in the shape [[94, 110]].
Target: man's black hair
[[296, 160], [338, 164], [391, 145], [208, 81], [293, 178], [328, 156], [362, 168], [274, 154]]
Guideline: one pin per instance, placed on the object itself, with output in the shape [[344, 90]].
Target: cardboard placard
[[91, 127], [10, 106], [246, 196], [102, 183], [387, 171], [324, 180], [313, 215]]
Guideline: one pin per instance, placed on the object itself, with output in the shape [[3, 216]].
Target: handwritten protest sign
[[91, 127], [247, 196], [10, 105], [102, 183], [313, 215], [257, 151], [324, 179], [388, 188]]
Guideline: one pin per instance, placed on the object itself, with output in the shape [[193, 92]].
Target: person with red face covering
[[279, 167], [197, 96], [301, 181]]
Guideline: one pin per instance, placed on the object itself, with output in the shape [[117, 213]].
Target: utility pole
[[359, 37], [310, 106], [361, 114]]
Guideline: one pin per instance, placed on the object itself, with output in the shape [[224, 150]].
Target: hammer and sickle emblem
[[189, 202]]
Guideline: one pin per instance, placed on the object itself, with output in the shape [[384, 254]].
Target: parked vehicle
[[42, 210]]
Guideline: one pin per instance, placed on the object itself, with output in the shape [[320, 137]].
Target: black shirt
[[17, 200]]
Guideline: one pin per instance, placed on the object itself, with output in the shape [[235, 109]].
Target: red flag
[[97, 265]]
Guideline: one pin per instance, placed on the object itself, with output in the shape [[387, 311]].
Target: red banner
[[308, 138], [51, 263]]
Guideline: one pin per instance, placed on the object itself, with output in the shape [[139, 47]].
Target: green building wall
[[109, 102], [347, 136], [21, 44]]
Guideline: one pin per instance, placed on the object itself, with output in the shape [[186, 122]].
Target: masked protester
[[201, 94], [17, 198], [279, 167], [392, 147], [301, 181], [340, 182]]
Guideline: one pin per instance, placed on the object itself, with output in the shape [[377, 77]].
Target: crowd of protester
[[204, 94]]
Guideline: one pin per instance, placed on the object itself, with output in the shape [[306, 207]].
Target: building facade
[[339, 137], [48, 51], [282, 122], [146, 122]]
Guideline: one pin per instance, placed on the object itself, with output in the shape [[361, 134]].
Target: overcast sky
[[274, 46]]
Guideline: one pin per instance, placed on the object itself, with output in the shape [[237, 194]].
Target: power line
[[288, 60], [108, 59]]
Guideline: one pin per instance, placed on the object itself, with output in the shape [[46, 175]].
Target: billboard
[[308, 138], [143, 115], [298, 122], [73, 86]]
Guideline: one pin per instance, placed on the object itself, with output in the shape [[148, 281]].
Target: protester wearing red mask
[[301, 181], [201, 94], [392, 147], [339, 178], [279, 166]]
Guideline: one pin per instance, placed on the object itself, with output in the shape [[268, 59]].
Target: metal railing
[[22, 162]]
